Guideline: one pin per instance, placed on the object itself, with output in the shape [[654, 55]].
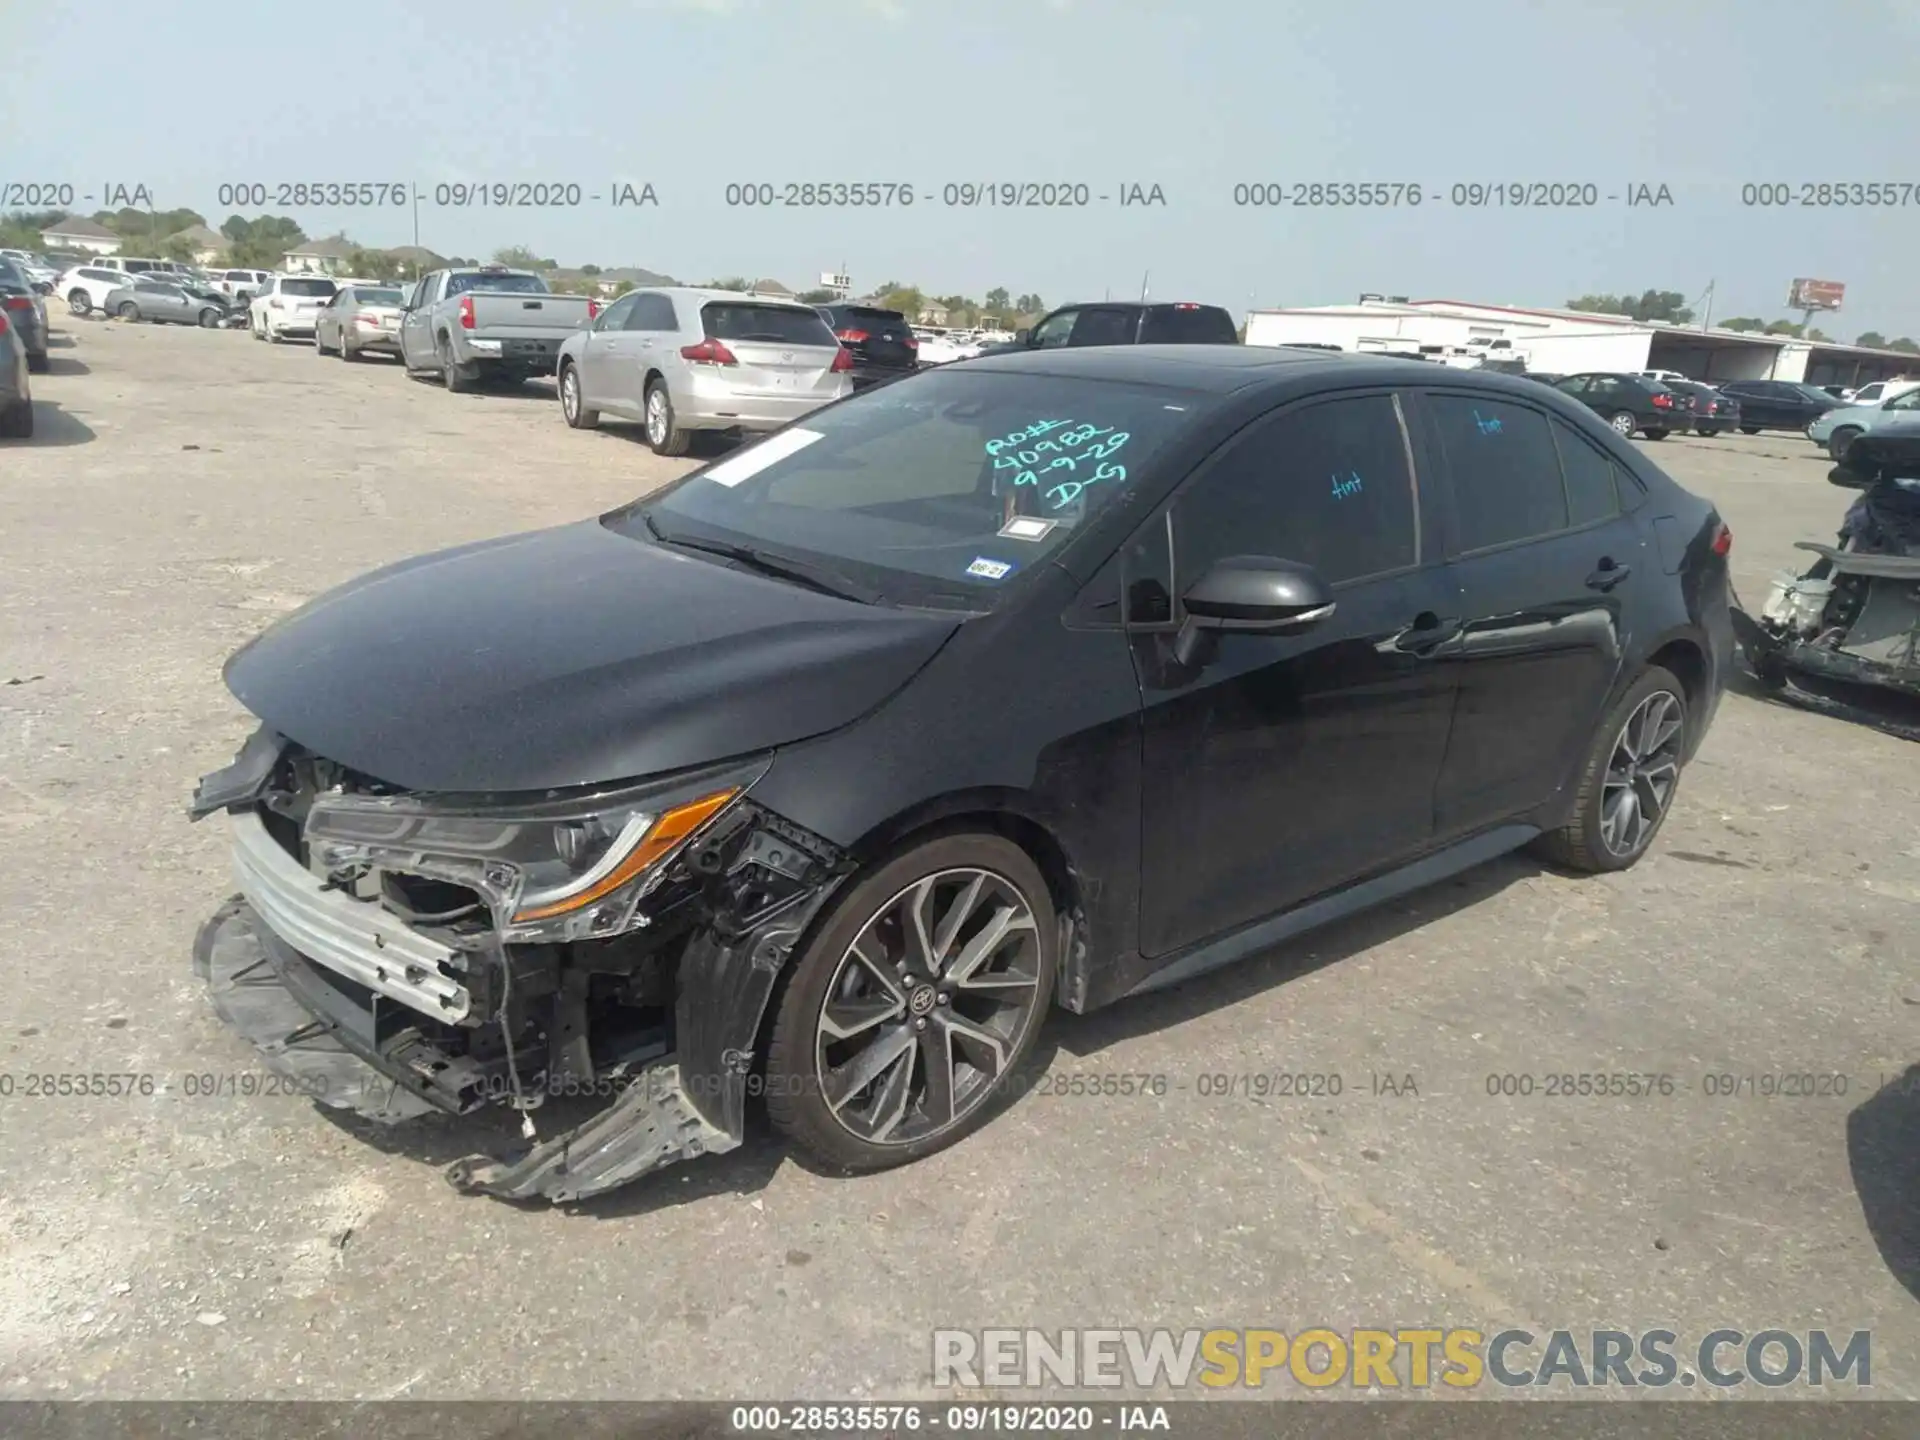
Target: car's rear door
[[1546, 559], [1284, 765], [652, 332], [784, 351]]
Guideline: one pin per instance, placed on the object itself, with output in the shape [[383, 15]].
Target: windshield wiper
[[814, 577]]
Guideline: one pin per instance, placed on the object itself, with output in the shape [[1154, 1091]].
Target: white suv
[[289, 305], [1880, 391], [241, 285], [85, 287]]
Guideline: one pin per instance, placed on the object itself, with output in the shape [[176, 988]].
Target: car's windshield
[[321, 288], [505, 284], [376, 297], [940, 490]]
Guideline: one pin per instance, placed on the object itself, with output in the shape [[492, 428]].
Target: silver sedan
[[359, 320], [163, 304]]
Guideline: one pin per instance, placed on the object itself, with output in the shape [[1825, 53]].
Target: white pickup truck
[[488, 322]]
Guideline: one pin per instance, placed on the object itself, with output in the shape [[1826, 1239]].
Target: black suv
[[1178, 323], [1713, 412], [1630, 403], [1778, 404], [880, 341], [1034, 681]]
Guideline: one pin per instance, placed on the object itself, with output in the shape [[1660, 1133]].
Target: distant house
[[770, 287], [82, 235], [209, 246], [932, 312], [415, 260], [319, 257]]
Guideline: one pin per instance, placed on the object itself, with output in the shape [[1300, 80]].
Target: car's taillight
[[708, 352], [842, 361], [466, 312], [912, 344], [1663, 402], [1722, 540], [16, 302], [3, 324], [850, 337], [593, 309]]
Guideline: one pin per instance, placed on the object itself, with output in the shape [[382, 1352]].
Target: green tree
[[1872, 339], [21, 230], [589, 269], [1667, 305], [907, 299], [520, 257], [817, 297], [1782, 327], [1904, 346], [1819, 337], [260, 244], [1030, 305], [1744, 324], [998, 300]]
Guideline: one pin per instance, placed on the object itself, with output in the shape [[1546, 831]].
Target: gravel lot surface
[[188, 486]]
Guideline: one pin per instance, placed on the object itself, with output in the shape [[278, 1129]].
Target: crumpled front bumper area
[[257, 984]]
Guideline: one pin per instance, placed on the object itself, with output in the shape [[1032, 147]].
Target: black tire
[[127, 310], [1656, 434], [673, 440], [319, 347], [209, 319], [79, 303], [347, 350], [452, 375], [1623, 424], [1749, 429], [572, 406], [796, 1101], [16, 422], [39, 364], [1838, 442], [1579, 844]]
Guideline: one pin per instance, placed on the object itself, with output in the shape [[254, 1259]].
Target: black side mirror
[[1251, 594]]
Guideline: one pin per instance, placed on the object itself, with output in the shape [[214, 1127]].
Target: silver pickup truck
[[487, 323]]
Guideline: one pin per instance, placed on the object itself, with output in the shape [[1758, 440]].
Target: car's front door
[[602, 355], [416, 341], [1105, 325], [1546, 561], [1279, 766], [1054, 331]]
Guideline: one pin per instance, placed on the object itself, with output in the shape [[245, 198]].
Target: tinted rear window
[[869, 316], [308, 287], [775, 324], [375, 297], [1208, 325], [505, 284]]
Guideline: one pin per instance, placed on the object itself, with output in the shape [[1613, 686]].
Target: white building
[[75, 234], [1565, 342]]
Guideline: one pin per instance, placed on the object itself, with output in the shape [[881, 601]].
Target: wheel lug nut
[[921, 1023], [941, 998]]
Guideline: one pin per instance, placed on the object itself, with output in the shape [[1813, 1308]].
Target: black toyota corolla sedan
[[828, 771]]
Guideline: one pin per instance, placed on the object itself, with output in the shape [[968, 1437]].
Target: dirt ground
[[186, 487]]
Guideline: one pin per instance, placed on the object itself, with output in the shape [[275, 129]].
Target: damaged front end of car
[[400, 954]]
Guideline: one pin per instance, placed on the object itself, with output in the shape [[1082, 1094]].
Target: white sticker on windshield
[[755, 458], [1028, 527]]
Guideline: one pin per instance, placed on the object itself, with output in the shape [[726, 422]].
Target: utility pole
[[1143, 286], [1706, 317]]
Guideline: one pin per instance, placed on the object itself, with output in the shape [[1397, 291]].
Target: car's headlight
[[566, 868]]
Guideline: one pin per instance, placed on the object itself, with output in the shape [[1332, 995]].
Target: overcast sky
[[1699, 95]]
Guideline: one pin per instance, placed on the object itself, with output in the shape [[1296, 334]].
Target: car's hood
[[569, 657]]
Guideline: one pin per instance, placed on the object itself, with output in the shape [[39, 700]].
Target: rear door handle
[[1427, 633], [1607, 575]]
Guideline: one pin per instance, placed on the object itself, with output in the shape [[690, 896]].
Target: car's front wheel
[[127, 310], [210, 318], [1749, 429], [914, 1004], [1628, 780], [79, 303], [1624, 424], [1838, 442]]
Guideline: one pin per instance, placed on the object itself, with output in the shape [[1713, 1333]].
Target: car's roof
[[703, 294], [1225, 368]]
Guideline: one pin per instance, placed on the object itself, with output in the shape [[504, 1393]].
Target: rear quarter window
[[774, 324]]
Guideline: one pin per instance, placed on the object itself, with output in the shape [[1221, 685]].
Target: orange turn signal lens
[[667, 832]]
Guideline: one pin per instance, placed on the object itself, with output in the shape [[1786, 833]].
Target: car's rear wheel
[[1749, 429], [1628, 780], [572, 402], [79, 303], [1838, 442], [663, 433], [913, 1006], [127, 310], [1624, 424], [1656, 434], [453, 375], [40, 363], [16, 421]]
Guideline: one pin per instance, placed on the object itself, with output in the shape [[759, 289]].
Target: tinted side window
[[1593, 488], [616, 315], [1506, 474], [1327, 485], [652, 312], [1201, 325], [1100, 325]]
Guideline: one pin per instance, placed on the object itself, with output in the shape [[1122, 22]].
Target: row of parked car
[[1656, 403], [23, 346]]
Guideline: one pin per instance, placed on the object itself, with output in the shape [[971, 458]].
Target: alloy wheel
[[927, 1007], [1623, 423], [570, 395], [1641, 773], [656, 417]]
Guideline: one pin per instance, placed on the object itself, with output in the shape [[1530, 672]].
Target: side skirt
[[1265, 934]]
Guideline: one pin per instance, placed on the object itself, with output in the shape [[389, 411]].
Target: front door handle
[[1606, 575], [1427, 633]]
